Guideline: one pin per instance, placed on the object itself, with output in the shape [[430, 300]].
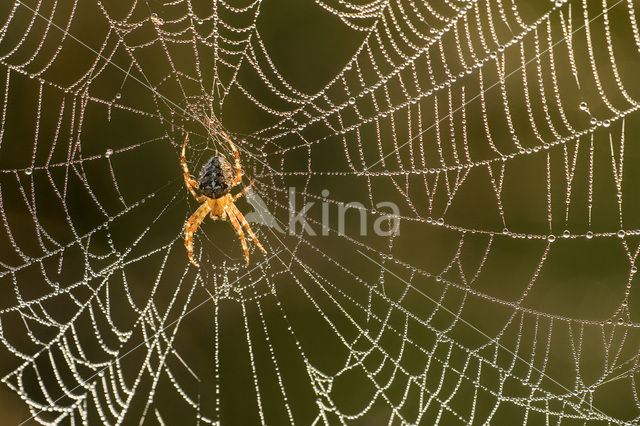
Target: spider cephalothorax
[[215, 181]]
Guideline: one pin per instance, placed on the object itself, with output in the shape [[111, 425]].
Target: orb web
[[503, 131]]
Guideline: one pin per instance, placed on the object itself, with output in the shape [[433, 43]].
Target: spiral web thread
[[462, 113]]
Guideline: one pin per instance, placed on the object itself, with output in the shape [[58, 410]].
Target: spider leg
[[188, 180], [241, 193], [246, 226], [236, 226], [238, 177], [191, 226]]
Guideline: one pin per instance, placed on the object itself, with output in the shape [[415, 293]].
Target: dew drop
[[551, 238], [583, 106], [589, 235], [28, 171], [505, 231], [118, 95], [566, 233], [108, 153], [620, 321], [352, 101], [593, 121], [634, 269], [606, 123], [441, 221], [621, 233]]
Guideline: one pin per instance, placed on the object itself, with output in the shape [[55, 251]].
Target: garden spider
[[215, 181]]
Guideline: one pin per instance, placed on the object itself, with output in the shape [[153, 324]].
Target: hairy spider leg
[[188, 180], [244, 190], [246, 226], [191, 226], [236, 225], [238, 177]]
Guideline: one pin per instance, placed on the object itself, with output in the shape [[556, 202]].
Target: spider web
[[504, 132]]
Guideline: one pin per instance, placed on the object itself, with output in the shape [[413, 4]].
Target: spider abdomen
[[215, 178]]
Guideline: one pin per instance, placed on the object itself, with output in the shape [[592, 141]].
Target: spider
[[215, 181]]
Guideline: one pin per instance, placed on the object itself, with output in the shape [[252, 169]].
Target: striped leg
[[236, 226], [191, 226], [188, 180], [244, 190], [238, 177], [246, 226]]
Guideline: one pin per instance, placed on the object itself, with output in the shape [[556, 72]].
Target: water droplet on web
[[566, 233], [118, 95], [348, 67], [28, 171], [621, 321], [505, 231], [352, 101], [606, 123], [108, 153], [156, 19], [551, 238], [441, 221], [583, 106], [589, 235], [634, 269], [621, 233], [593, 121]]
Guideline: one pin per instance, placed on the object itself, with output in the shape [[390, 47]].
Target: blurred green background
[[314, 316]]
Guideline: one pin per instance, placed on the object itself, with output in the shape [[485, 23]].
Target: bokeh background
[[508, 297]]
